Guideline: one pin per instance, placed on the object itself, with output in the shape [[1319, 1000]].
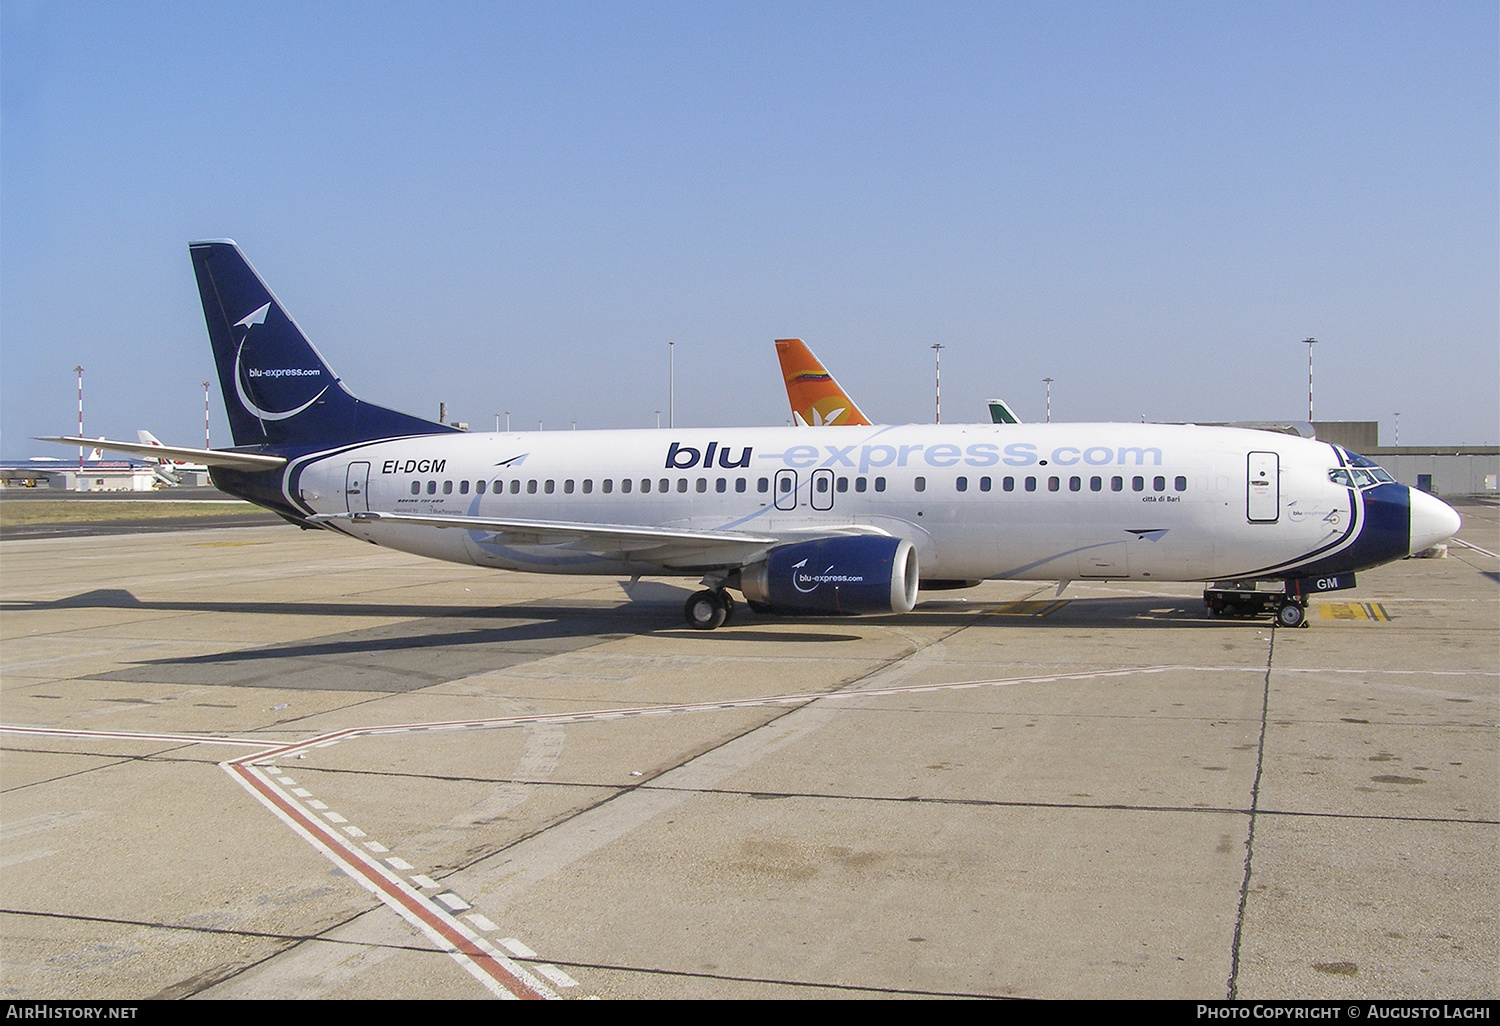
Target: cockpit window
[[1358, 477]]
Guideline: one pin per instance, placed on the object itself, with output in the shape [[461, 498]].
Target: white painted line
[[1476, 548], [516, 948], [354, 831], [376, 847], [316, 805], [395, 863], [556, 975], [301, 792], [286, 781], [453, 902], [332, 817], [481, 922], [121, 735], [427, 883]]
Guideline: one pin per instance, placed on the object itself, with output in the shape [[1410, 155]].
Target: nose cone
[[1432, 521]]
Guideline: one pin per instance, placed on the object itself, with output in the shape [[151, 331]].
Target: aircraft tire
[[706, 610], [1291, 614]]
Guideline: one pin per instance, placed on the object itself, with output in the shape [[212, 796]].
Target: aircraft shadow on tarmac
[[435, 644]]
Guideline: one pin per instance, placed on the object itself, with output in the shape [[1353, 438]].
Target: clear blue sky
[[514, 206]]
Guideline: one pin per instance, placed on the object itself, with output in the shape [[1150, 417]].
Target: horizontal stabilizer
[[208, 457]]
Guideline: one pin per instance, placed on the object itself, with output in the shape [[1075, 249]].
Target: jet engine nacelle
[[857, 574]]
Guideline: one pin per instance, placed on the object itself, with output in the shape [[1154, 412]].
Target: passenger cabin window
[[984, 484], [1180, 484], [739, 484], [479, 487], [447, 487], [416, 487], [920, 484], [880, 484], [962, 484], [1138, 484]]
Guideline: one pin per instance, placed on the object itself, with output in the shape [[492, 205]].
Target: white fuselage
[[978, 501]]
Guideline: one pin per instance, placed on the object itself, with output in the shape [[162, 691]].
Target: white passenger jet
[[842, 520]]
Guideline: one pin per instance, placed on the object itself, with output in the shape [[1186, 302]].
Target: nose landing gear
[[1291, 613]]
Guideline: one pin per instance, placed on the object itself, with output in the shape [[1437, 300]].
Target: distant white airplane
[[168, 471], [844, 520]]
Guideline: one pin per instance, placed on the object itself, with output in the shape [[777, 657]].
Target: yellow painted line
[[1036, 609], [1353, 611]]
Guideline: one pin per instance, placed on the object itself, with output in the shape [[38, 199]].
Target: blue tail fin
[[278, 390]]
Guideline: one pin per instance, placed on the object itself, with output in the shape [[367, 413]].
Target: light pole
[[205, 416], [671, 388], [79, 369], [1049, 399], [937, 381], [1309, 342], [658, 420], [497, 423], [1398, 427]]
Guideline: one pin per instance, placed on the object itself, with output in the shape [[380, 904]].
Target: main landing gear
[[707, 609]]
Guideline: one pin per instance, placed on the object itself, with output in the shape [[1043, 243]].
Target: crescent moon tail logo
[[245, 400]]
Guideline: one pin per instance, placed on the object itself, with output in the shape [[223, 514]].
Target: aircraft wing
[[665, 546], [208, 457]]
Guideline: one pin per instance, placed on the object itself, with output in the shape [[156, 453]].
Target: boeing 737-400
[[843, 520]]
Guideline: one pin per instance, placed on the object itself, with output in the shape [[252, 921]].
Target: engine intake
[[857, 574]]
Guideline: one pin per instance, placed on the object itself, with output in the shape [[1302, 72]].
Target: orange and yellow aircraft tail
[[816, 398]]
